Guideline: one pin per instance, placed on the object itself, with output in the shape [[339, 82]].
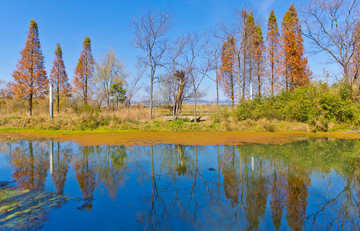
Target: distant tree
[[117, 93], [30, 79], [295, 64], [259, 57], [58, 77], [197, 64], [107, 73], [227, 68], [83, 79], [273, 53], [331, 26], [215, 53], [132, 84], [150, 29]]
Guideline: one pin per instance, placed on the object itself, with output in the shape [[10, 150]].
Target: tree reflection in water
[[250, 186]]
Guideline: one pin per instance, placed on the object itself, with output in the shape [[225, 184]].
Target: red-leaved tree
[[58, 77], [30, 79], [227, 68], [83, 80]]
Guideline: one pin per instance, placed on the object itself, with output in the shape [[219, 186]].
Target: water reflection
[[312, 184]]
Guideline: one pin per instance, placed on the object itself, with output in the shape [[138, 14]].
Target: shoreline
[[135, 137]]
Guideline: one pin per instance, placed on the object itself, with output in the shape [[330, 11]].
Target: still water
[[312, 184]]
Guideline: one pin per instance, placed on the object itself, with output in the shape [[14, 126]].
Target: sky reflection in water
[[311, 184]]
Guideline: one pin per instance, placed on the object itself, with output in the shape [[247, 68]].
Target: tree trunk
[[58, 100], [239, 75], [195, 106], [85, 93], [151, 92], [244, 74], [217, 95], [272, 76], [232, 90], [30, 103]]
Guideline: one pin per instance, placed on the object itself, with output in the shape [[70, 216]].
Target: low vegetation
[[315, 107]]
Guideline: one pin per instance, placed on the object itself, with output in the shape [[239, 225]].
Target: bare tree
[[330, 25], [150, 30], [215, 54], [197, 64], [133, 84], [108, 72], [178, 81]]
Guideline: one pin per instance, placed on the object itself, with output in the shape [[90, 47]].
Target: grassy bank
[[314, 108]]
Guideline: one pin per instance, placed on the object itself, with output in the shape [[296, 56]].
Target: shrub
[[317, 104]]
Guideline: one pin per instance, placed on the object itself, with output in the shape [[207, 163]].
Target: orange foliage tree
[[30, 79], [249, 55], [226, 77], [295, 64], [58, 77], [83, 79], [259, 57], [273, 53]]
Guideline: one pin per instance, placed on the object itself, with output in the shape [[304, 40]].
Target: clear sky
[[108, 24]]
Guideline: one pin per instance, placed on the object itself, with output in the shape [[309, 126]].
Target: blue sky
[[108, 23]]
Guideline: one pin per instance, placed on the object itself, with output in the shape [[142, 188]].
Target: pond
[[312, 184]]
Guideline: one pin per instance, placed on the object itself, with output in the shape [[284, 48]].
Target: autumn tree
[[108, 73], [331, 26], [295, 64], [83, 79], [150, 30], [30, 79], [273, 53], [259, 57], [227, 75], [249, 48], [58, 77]]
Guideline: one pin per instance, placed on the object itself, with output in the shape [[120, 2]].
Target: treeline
[[240, 57]]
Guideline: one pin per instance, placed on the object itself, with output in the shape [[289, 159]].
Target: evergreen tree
[[83, 80], [30, 79], [58, 77], [295, 64]]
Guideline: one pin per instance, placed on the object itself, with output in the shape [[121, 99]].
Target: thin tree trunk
[[151, 90], [239, 75], [195, 106], [30, 103], [232, 90], [217, 95], [58, 99]]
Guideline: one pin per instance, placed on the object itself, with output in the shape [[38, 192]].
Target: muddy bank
[[184, 138]]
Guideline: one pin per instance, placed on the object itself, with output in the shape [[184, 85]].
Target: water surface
[[312, 184]]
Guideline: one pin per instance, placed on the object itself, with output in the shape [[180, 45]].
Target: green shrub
[[317, 104]]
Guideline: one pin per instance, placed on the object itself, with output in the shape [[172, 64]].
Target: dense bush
[[317, 104]]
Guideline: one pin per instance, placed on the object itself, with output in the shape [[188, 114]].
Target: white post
[[51, 101]]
